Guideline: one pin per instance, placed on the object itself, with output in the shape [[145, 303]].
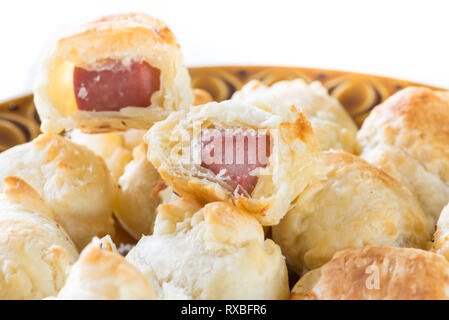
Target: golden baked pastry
[[35, 252], [72, 180], [375, 273], [215, 252], [114, 147], [139, 194], [441, 236], [102, 274], [408, 137], [260, 160], [331, 124], [119, 72], [356, 205]]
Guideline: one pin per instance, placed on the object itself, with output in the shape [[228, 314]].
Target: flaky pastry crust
[[124, 37], [377, 273], [357, 205]]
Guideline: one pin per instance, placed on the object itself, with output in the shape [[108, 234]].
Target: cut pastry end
[[119, 72], [232, 151]]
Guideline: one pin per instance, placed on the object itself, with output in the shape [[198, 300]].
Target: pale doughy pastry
[[35, 252], [408, 137], [215, 252], [331, 124], [377, 273], [119, 72], [73, 181], [103, 274], [357, 205], [139, 194], [441, 236], [114, 147], [191, 151]]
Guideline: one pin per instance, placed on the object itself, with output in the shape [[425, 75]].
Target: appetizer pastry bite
[[214, 252], [35, 251], [331, 124], [373, 273], [101, 273], [441, 236], [408, 137], [114, 147], [357, 205], [72, 180], [140, 192], [232, 151], [118, 72]]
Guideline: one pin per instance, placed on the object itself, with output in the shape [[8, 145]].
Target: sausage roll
[[441, 236], [236, 152], [119, 72], [214, 252], [356, 205], [102, 274], [35, 251], [377, 273], [408, 137], [73, 181], [331, 124], [114, 147], [139, 194]]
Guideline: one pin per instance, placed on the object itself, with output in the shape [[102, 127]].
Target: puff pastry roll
[[103, 274], [357, 205], [236, 152], [118, 72], [214, 252], [374, 273], [72, 180], [441, 236], [408, 137], [331, 124], [139, 194], [35, 251], [114, 147]]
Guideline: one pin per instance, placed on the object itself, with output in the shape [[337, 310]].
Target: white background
[[403, 39]]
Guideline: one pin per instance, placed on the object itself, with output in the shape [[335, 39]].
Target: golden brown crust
[[102, 274], [331, 124], [373, 273], [357, 204], [211, 252], [123, 25], [126, 38], [74, 183], [35, 252], [293, 164], [413, 124]]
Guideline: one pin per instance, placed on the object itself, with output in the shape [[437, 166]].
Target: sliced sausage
[[233, 154], [115, 88]]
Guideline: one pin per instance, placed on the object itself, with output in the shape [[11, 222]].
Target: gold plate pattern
[[358, 93]]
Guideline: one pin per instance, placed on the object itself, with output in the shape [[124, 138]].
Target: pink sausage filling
[[116, 88], [233, 154]]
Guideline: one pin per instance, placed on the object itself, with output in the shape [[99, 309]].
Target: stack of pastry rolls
[[228, 200]]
